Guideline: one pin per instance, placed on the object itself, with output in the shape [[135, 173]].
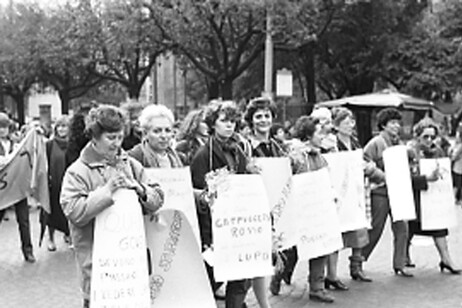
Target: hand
[[253, 168], [434, 176], [368, 166], [116, 182]]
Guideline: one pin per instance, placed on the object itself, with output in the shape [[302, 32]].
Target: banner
[[347, 177], [399, 185], [120, 265], [241, 225], [24, 173], [437, 204], [177, 186], [276, 174], [178, 277], [310, 220]]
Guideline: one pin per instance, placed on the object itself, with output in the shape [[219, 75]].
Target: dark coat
[[203, 163]]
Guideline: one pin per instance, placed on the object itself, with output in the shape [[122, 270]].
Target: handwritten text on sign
[[120, 268], [310, 220], [175, 255], [241, 229]]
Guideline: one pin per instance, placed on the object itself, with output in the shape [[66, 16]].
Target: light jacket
[[83, 198]]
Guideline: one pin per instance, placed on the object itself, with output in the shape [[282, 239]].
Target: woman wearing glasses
[[424, 146]]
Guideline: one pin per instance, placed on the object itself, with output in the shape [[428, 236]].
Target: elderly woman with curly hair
[[423, 146], [90, 182]]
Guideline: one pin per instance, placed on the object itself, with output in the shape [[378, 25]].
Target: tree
[[19, 39], [129, 44], [221, 38], [68, 52]]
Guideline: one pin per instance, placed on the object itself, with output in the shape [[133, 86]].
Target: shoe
[[275, 285], [360, 276], [401, 272], [51, 246], [336, 284], [409, 264], [444, 266], [321, 296], [29, 257]]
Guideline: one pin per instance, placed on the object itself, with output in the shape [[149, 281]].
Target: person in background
[[389, 124], [90, 182], [193, 134], [455, 154], [56, 150], [329, 141], [307, 158], [222, 150], [424, 146], [21, 207], [344, 124], [133, 137], [278, 134], [77, 138]]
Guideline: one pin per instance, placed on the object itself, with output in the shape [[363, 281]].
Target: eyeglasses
[[431, 137]]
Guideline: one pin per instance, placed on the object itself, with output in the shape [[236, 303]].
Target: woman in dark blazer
[[222, 150], [423, 146]]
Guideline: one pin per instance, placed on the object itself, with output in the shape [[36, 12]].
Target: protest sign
[[310, 220], [177, 186], [24, 173], [399, 185], [120, 266], [437, 203], [276, 175], [241, 225], [347, 177], [177, 277]]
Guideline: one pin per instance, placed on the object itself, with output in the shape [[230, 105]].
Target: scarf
[[151, 158]]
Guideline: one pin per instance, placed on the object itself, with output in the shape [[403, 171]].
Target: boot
[[356, 270]]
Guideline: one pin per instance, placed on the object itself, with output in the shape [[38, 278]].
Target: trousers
[[21, 209], [380, 208]]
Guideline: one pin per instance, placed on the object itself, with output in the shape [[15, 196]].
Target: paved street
[[52, 281]]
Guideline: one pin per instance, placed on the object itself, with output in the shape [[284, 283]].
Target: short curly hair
[[215, 108], [305, 127], [386, 115], [104, 119], [259, 103]]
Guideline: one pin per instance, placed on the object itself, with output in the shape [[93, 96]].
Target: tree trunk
[[65, 101], [310, 77], [227, 89], [19, 99], [213, 89], [134, 92]]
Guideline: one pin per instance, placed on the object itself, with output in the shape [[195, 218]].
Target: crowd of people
[[92, 155]]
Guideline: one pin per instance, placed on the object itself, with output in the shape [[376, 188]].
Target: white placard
[[347, 177], [284, 83], [177, 186], [241, 227], [437, 204], [276, 174], [120, 266], [178, 277], [399, 185], [310, 219]]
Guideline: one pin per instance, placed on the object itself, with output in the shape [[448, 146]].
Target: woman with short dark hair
[[222, 150], [91, 181]]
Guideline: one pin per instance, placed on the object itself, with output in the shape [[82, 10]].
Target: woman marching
[[90, 183], [423, 146], [259, 116], [55, 150], [222, 150]]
